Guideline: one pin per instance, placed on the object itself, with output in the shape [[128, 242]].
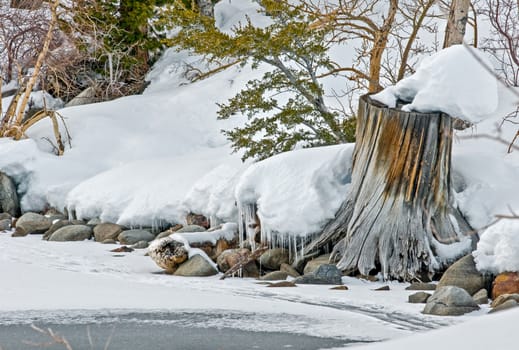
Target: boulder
[[134, 236], [463, 274], [94, 222], [54, 227], [282, 284], [503, 298], [31, 223], [509, 304], [9, 202], [4, 216], [72, 233], [313, 264], [5, 224], [105, 231], [421, 286], [168, 253], [53, 214], [275, 276], [419, 298], [192, 228], [231, 257], [450, 301], [481, 297], [140, 245], [273, 258], [197, 265], [325, 274], [505, 283], [289, 270], [89, 95], [197, 219]]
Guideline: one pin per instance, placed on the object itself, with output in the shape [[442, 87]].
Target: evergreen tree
[[286, 107]]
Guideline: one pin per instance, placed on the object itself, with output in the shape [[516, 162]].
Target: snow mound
[[454, 81], [297, 192], [498, 248]]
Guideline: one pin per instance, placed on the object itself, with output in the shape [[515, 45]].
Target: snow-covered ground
[[148, 159]]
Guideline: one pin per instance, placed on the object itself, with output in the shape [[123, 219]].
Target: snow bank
[[498, 248], [297, 192], [452, 81]]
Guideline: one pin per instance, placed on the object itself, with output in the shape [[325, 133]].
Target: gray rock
[[30, 223], [421, 286], [273, 258], [85, 97], [109, 241], [419, 298], [134, 236], [325, 274], [481, 297], [313, 264], [55, 226], [9, 202], [5, 224], [4, 216], [509, 304], [72, 233], [164, 234], [504, 298], [192, 228], [196, 266], [450, 301], [275, 276], [105, 231], [289, 270], [94, 222], [463, 274], [140, 245]]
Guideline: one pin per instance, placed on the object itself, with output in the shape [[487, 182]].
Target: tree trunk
[[457, 22], [399, 216]]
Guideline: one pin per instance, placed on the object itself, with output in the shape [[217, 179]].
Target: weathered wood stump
[[399, 217]]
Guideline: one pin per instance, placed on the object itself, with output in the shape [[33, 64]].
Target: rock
[[140, 245], [53, 214], [313, 264], [231, 257], [273, 258], [503, 298], [31, 223], [123, 249], [509, 304], [505, 283], [168, 253], [463, 274], [419, 298], [105, 231], [55, 226], [339, 288], [481, 297], [169, 231], [450, 301], [9, 202], [383, 288], [94, 222], [421, 286], [72, 233], [192, 228], [89, 95], [325, 274], [289, 270], [5, 224], [197, 219], [109, 241], [4, 216], [282, 284], [275, 276], [197, 265], [134, 236]]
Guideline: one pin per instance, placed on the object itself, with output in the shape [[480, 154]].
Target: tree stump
[[399, 217]]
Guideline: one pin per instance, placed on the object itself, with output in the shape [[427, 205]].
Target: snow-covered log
[[399, 217]]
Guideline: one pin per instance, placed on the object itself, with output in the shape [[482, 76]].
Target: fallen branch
[[56, 338], [244, 260]]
